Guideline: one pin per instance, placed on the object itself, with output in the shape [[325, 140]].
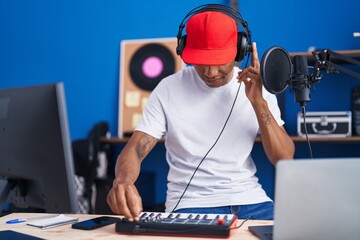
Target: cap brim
[[208, 57]]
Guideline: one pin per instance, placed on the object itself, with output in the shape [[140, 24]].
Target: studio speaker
[[143, 64]]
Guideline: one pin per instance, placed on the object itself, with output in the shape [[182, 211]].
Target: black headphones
[[244, 38]]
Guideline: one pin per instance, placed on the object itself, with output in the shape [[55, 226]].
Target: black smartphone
[[95, 223]]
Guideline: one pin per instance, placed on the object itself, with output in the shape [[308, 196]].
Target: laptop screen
[[317, 199]]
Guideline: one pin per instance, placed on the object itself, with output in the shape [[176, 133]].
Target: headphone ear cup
[[242, 46], [181, 45]]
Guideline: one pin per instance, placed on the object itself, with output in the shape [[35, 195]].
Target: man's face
[[217, 75]]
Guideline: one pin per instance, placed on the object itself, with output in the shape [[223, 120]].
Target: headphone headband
[[233, 13], [244, 43]]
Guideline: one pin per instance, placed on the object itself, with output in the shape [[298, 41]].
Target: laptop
[[315, 199]]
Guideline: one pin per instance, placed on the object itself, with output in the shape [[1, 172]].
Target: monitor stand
[[14, 191], [5, 188]]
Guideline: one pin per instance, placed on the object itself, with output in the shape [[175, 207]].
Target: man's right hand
[[124, 198]]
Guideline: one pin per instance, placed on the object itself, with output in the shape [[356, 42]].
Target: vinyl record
[[150, 64]]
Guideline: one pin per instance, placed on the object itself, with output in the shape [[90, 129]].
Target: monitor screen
[[35, 149]]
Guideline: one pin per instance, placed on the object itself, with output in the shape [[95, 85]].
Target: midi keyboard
[[182, 224]]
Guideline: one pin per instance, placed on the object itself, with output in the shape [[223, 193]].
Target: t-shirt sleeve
[[153, 119]]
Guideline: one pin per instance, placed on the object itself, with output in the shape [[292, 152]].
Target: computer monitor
[[35, 151]]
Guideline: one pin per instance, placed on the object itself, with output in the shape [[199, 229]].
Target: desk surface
[[107, 232], [354, 139]]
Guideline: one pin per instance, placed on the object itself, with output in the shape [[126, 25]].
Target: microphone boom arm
[[323, 62]]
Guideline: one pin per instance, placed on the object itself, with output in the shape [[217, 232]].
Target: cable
[[303, 110], [222, 130], [242, 223], [217, 139]]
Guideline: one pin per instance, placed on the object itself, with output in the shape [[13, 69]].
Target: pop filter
[[275, 69]]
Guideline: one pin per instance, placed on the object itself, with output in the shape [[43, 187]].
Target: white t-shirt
[[190, 115]]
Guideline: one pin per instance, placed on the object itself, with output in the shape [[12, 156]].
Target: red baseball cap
[[211, 39]]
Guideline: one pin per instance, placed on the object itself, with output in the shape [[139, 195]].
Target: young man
[[209, 129]]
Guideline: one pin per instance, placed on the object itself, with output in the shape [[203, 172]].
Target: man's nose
[[211, 71]]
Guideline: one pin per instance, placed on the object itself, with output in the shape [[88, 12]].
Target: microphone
[[277, 72], [300, 80]]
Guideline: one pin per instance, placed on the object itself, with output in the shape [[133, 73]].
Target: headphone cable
[[217, 139]]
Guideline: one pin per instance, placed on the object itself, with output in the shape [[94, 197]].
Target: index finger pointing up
[[254, 57]]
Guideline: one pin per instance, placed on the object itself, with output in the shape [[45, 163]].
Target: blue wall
[[77, 42]]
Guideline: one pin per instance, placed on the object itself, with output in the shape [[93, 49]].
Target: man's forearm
[[129, 161], [277, 143], [127, 168]]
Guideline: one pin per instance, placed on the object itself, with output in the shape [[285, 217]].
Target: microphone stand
[[323, 62]]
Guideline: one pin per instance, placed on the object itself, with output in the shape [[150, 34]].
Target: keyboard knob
[[220, 221]]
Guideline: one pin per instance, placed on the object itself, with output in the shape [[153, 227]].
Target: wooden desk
[[107, 232], [354, 139]]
